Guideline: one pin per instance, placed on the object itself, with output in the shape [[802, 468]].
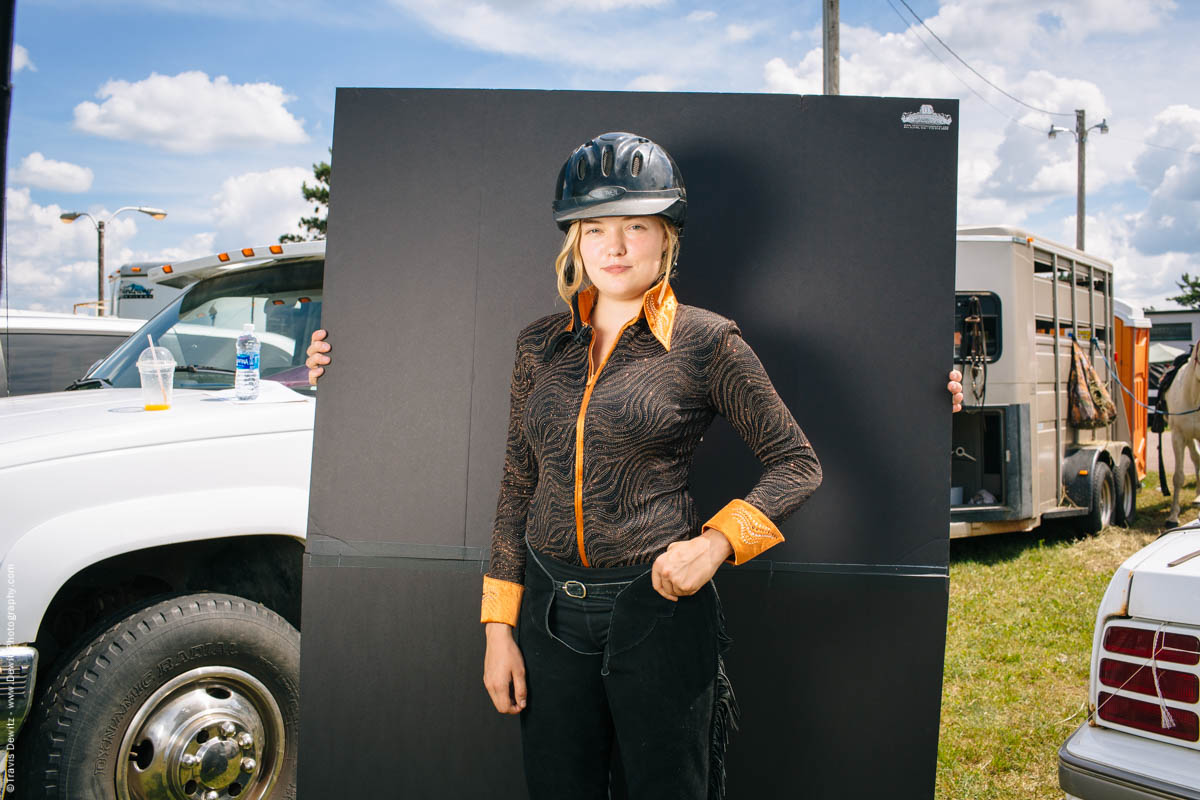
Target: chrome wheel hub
[[213, 733]]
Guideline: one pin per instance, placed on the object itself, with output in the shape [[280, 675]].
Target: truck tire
[[1104, 499], [1126, 481], [195, 695]]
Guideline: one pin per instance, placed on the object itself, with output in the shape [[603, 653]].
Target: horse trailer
[[1015, 461]]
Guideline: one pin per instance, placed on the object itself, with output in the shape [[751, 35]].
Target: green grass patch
[[1018, 648]]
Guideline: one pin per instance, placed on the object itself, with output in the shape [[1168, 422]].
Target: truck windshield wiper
[[87, 383], [197, 368]]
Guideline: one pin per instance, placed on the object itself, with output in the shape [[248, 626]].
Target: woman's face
[[622, 255]]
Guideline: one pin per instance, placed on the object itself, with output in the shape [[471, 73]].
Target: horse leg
[[1191, 448], [1177, 478]]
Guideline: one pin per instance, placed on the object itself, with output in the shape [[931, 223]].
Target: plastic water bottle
[[245, 381]]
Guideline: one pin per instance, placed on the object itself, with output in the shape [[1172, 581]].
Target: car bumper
[[1102, 764]]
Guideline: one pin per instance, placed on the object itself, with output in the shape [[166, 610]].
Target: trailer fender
[[1077, 471]]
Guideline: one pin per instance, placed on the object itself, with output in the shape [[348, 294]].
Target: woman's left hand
[[954, 387], [687, 566]]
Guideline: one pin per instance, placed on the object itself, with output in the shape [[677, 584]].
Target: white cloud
[[1171, 220], [257, 207], [51, 265], [738, 33], [613, 37], [654, 82], [189, 113], [21, 60], [701, 16], [44, 173]]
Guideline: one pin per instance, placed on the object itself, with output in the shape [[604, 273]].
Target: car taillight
[[1147, 716], [1174, 685], [1177, 648]]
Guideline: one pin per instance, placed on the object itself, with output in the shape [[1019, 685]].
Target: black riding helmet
[[619, 175]]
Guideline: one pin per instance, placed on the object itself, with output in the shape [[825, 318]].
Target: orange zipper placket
[[587, 394]]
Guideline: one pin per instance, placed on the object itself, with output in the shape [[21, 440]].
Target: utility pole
[[1081, 135], [830, 46], [1080, 191]]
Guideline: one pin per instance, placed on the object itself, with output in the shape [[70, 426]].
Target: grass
[[1018, 649]]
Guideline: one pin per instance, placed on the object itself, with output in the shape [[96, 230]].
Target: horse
[[1184, 396]]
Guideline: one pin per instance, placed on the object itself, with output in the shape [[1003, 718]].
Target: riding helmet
[[619, 175]]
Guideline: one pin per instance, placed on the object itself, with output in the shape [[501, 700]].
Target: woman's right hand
[[316, 350], [504, 669]]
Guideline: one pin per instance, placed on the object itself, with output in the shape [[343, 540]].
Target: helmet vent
[[581, 169], [636, 166], [606, 161]]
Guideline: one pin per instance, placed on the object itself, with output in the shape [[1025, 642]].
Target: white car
[[152, 559], [1142, 737], [41, 351]]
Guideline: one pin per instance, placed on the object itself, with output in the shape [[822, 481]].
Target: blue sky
[[216, 110]]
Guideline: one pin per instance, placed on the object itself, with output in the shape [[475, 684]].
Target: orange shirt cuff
[[501, 601], [748, 530]]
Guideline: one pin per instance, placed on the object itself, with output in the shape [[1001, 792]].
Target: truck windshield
[[201, 326]]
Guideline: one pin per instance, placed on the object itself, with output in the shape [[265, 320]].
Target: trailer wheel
[[1125, 479], [1104, 499], [196, 696]]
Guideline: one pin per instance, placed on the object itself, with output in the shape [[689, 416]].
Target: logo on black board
[[926, 119]]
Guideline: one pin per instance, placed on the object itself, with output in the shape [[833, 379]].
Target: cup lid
[[154, 356]]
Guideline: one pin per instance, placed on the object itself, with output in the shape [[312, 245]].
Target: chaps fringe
[[725, 715]]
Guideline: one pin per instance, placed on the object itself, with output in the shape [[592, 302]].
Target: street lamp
[[1080, 133], [71, 216]]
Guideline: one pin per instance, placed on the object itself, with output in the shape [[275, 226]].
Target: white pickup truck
[[152, 559], [1142, 737]]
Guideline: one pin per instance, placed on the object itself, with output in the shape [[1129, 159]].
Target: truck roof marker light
[[276, 249], [247, 251], [305, 300], [1028, 240], [135, 269], [276, 302], [168, 269], [1083, 472], [222, 257]]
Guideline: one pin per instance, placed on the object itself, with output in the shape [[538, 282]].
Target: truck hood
[[44, 427], [1164, 581]]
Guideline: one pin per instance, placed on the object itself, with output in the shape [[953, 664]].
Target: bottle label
[[247, 361]]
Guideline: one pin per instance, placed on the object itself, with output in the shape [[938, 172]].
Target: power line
[[1156, 146], [970, 88], [993, 106], [977, 72]]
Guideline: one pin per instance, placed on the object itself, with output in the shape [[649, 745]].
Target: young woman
[[597, 549]]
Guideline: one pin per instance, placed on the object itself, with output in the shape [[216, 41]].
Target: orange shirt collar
[[658, 307]]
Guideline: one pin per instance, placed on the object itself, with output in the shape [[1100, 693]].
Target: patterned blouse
[[598, 455]]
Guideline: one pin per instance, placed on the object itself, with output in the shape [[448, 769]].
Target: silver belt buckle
[[567, 586]]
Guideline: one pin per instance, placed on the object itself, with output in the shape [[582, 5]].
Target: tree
[[1190, 297], [317, 193]]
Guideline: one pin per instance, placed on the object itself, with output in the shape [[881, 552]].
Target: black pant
[[621, 662]]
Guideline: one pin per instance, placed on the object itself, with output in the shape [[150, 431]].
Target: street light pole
[[1080, 189], [1081, 135], [71, 216]]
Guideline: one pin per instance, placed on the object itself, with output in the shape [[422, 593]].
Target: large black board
[[825, 227]]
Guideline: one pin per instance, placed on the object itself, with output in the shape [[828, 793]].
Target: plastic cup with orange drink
[[156, 366]]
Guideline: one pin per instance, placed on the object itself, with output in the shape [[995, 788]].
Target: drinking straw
[[158, 373]]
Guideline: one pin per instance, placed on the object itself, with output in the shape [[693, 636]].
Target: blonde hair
[[570, 259]]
